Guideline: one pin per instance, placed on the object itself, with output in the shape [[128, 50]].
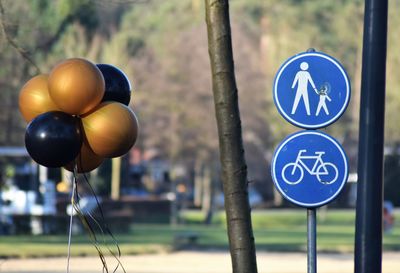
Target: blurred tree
[[391, 178], [26, 44], [161, 45]]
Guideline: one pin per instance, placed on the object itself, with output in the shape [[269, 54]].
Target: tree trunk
[[208, 196], [234, 169], [198, 183]]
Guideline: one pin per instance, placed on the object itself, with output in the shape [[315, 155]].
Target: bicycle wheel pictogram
[[292, 173], [327, 173]]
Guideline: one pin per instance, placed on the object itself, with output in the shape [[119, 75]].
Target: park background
[[169, 177]]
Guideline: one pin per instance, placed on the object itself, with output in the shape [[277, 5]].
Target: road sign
[[309, 168], [311, 90]]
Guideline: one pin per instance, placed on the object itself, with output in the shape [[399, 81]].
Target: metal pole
[[368, 238], [311, 240]]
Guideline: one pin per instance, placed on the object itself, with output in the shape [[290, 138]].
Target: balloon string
[[102, 220], [117, 257], [75, 198], [70, 225], [88, 227]]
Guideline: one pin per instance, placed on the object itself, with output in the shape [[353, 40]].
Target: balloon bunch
[[78, 115]]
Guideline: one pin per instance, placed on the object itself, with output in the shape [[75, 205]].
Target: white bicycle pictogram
[[325, 172]]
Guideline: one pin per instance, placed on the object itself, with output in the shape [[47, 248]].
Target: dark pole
[[368, 239], [311, 240]]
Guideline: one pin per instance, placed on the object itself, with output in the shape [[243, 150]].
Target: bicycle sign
[[325, 172], [309, 168]]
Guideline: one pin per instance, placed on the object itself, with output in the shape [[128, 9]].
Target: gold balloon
[[76, 86], [34, 98], [86, 161], [111, 129]]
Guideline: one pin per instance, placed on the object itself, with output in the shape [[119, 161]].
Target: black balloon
[[118, 87], [53, 139]]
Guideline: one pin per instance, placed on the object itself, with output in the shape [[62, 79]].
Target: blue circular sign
[[309, 168], [311, 90]]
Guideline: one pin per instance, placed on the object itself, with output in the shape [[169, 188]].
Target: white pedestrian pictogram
[[311, 90], [325, 172], [302, 79]]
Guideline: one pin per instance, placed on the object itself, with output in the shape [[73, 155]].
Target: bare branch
[[9, 39]]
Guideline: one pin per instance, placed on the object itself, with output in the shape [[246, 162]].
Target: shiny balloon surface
[[86, 160], [34, 98], [76, 86], [111, 129], [53, 139], [118, 87]]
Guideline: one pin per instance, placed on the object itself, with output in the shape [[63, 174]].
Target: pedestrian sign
[[311, 90], [309, 168]]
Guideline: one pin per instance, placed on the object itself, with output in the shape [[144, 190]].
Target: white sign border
[[293, 121], [312, 132]]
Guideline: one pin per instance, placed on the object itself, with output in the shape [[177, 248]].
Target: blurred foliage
[[162, 46]]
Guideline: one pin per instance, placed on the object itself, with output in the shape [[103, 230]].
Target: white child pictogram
[[323, 96]]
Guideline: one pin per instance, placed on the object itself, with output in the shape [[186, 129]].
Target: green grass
[[274, 230]]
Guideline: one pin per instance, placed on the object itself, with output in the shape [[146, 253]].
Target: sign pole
[[368, 237], [311, 240], [311, 90]]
